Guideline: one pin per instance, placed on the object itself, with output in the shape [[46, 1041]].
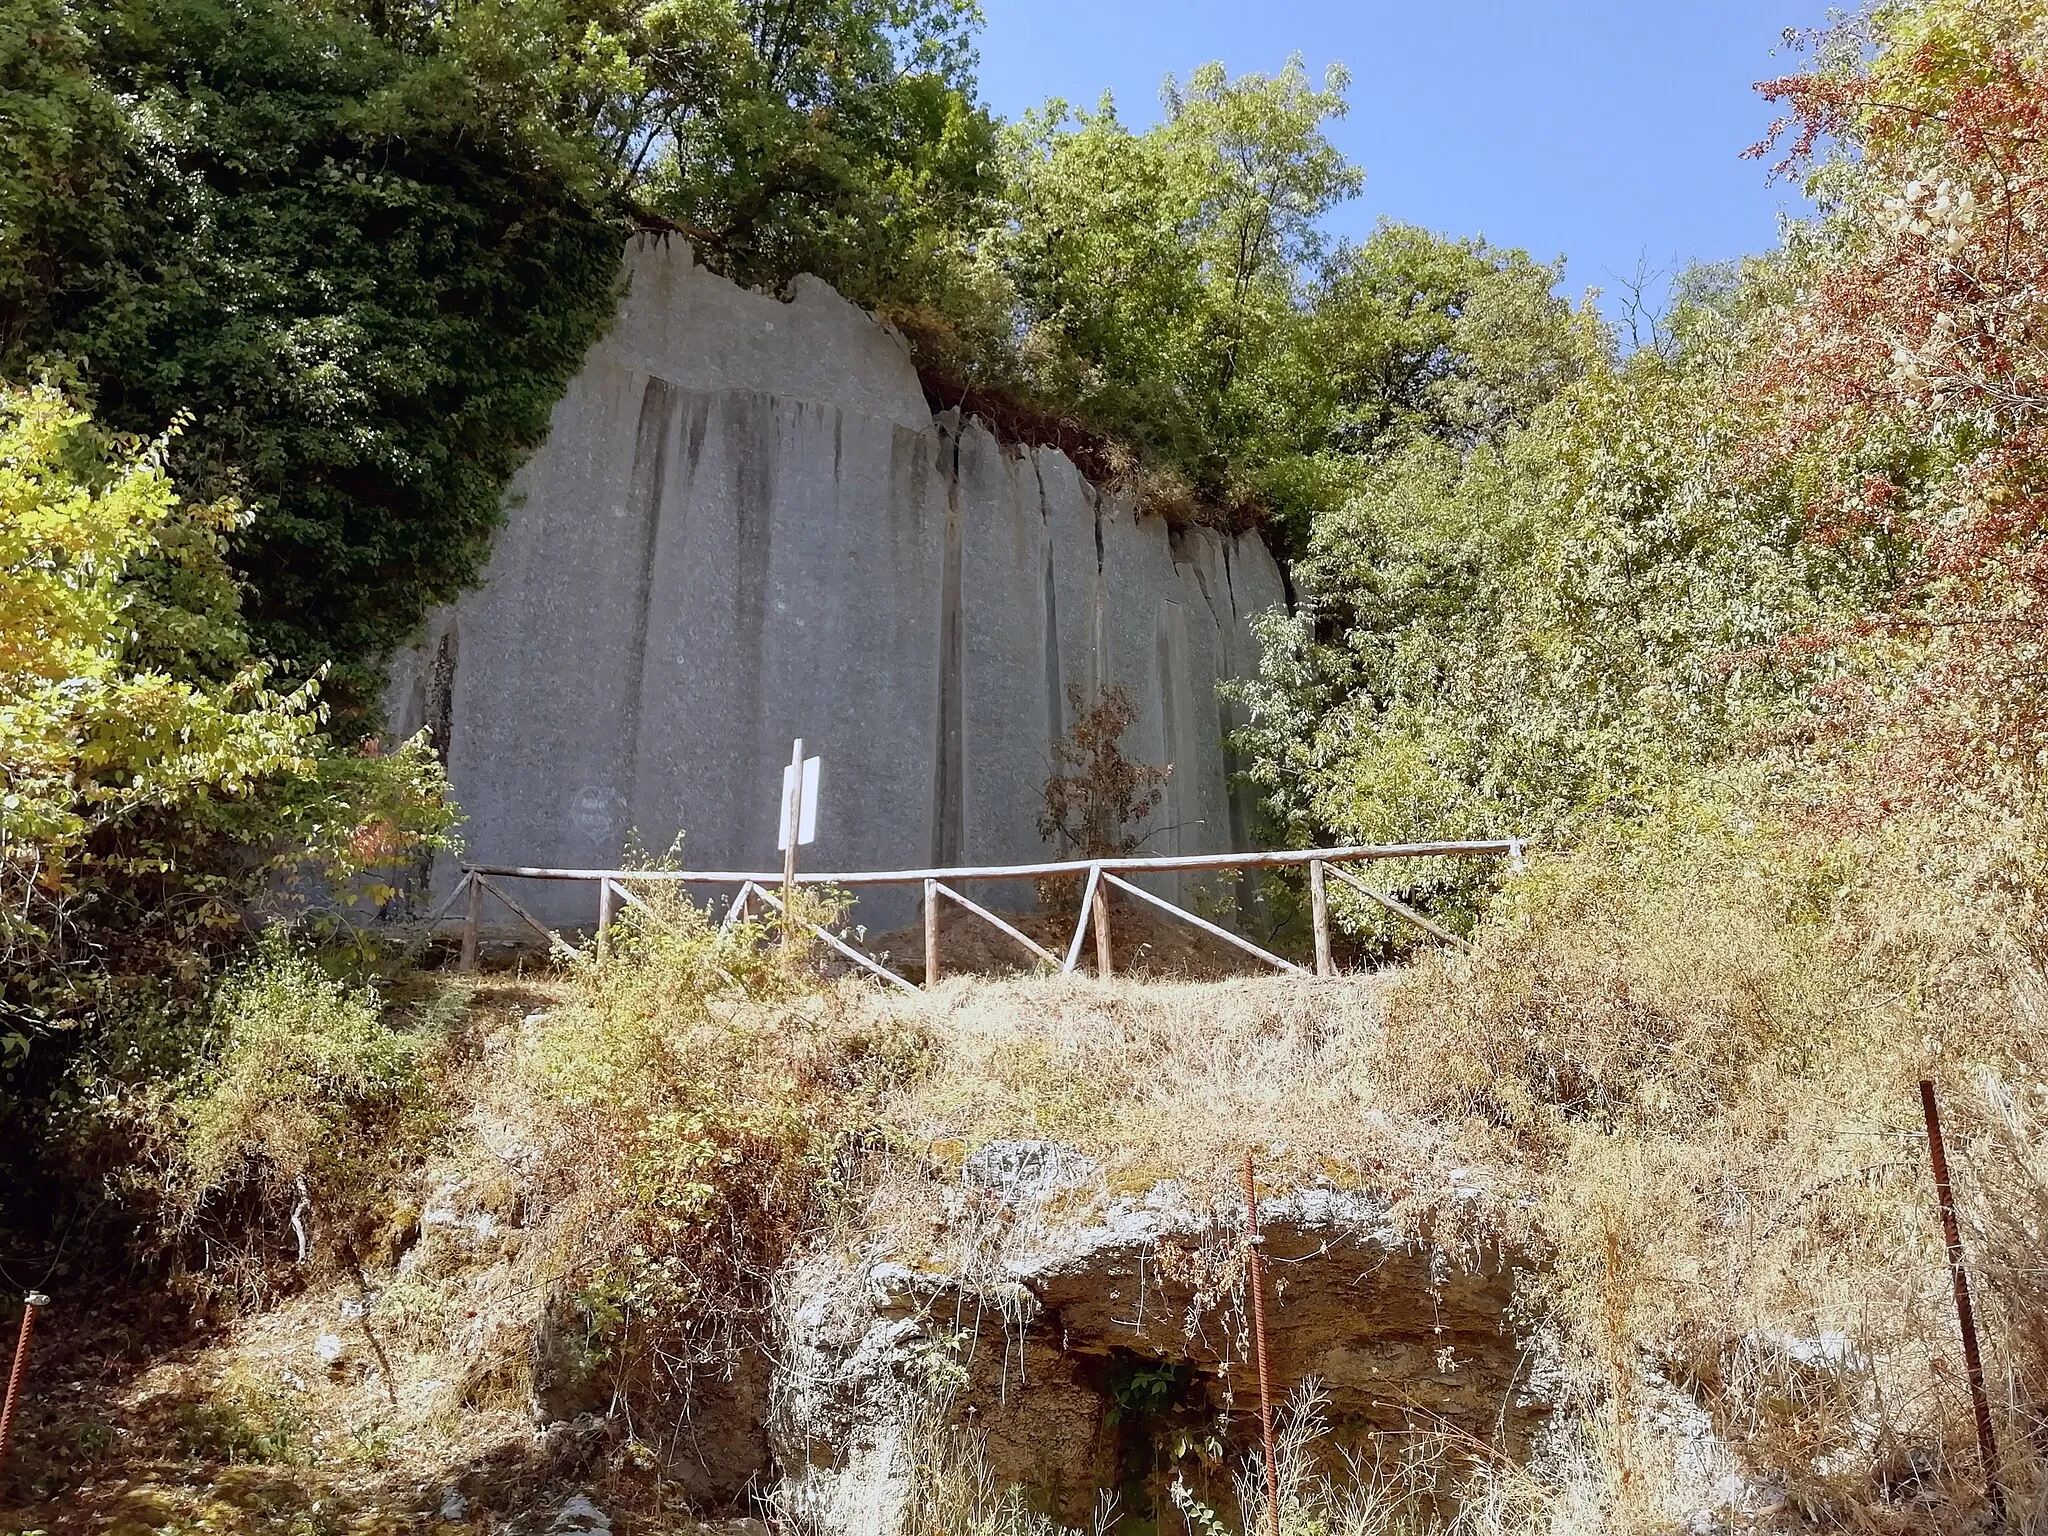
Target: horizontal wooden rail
[[1168, 863], [1101, 874]]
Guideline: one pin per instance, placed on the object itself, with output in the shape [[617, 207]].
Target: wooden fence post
[[1319, 899], [794, 811], [1102, 965], [472, 923], [931, 933]]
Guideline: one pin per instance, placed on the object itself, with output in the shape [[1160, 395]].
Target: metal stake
[[1255, 1277], [1973, 1363], [30, 1304]]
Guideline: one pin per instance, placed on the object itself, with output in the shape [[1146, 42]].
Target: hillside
[[1613, 1220], [1078, 490]]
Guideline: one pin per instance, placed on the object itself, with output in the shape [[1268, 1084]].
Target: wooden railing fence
[[614, 888]]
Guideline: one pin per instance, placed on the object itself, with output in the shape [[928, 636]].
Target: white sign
[[807, 822]]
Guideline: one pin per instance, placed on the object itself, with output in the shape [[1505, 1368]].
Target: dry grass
[[1174, 1080], [1702, 1049], [1683, 1066]]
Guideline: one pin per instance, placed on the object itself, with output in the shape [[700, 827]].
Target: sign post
[[799, 825]]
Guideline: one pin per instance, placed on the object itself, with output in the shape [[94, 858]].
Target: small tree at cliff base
[[1096, 797]]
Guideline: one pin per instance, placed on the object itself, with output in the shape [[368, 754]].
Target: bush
[[311, 1094], [1641, 982], [697, 1105]]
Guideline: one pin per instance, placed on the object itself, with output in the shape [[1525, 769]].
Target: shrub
[[311, 1093], [1639, 982], [1096, 797], [698, 1105]]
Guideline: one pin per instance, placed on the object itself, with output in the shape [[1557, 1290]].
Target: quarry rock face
[[747, 525], [1072, 1351]]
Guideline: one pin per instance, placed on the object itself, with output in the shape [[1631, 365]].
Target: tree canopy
[[363, 250]]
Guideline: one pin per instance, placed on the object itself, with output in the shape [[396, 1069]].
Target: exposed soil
[[1144, 942]]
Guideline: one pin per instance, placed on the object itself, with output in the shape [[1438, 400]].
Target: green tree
[[838, 137], [154, 777], [1453, 339], [1108, 281], [1547, 626], [62, 138], [1157, 273], [365, 289], [1255, 152], [1406, 334]]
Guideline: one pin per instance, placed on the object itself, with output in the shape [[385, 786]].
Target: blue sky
[[1606, 132]]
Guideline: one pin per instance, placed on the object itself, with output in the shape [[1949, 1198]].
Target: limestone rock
[[579, 1517], [747, 526], [1027, 1170], [1036, 1349]]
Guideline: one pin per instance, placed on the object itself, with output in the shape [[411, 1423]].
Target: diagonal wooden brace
[[864, 961], [996, 922], [1081, 928], [1400, 907], [1206, 926]]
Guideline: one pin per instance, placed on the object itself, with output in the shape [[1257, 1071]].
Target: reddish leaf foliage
[[1906, 387]]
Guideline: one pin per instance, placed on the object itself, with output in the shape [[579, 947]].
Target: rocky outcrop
[[1074, 1349], [747, 526], [1061, 1339]]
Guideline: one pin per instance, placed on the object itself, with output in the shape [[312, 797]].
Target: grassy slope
[[1685, 1068]]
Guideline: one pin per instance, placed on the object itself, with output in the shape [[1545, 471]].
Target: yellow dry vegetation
[[1681, 1066]]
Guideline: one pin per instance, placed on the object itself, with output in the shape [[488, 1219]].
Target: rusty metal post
[[931, 933], [1255, 1282], [31, 1303], [1973, 1363]]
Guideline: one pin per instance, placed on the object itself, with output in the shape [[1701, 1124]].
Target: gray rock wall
[[746, 526]]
